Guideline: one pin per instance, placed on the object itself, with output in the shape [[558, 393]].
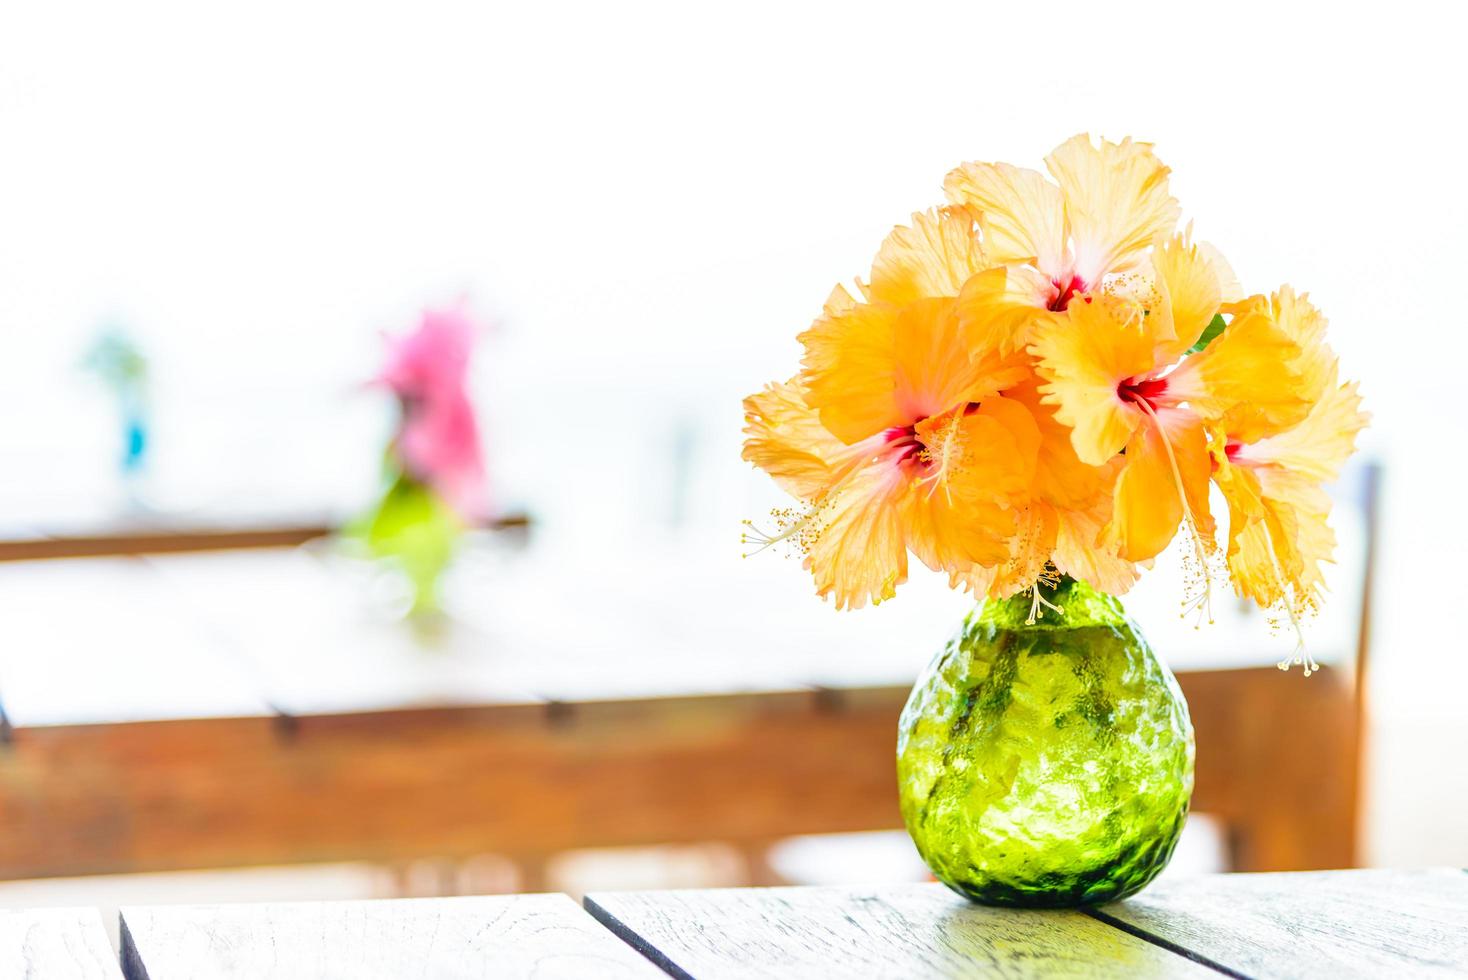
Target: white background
[[649, 202]]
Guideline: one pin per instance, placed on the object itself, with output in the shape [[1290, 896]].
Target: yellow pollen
[[947, 455], [1038, 603], [792, 526], [1300, 655]]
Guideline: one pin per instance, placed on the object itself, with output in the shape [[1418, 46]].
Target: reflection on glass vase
[[1046, 761]]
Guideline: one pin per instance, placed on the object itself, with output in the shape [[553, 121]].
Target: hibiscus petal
[[953, 534], [1319, 446], [1250, 373], [1190, 293], [1060, 476], [1149, 503], [848, 370], [1102, 342], [1278, 536], [931, 258], [785, 438], [1080, 553], [1116, 202], [935, 368], [1022, 214], [857, 553], [999, 306]]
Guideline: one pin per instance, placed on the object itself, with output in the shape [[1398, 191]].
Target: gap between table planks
[[1331, 925], [891, 931]]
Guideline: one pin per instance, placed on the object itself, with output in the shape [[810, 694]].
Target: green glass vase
[[1046, 761]]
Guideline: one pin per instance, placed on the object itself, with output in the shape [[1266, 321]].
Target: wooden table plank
[[1331, 924], [57, 944], [901, 931], [544, 936]]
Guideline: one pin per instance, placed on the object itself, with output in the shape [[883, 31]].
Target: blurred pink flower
[[438, 441]]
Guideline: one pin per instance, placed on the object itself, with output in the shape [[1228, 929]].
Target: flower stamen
[[1204, 603], [1300, 655], [790, 526], [1038, 603]]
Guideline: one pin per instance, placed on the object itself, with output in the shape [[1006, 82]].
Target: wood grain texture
[[905, 931], [1282, 811], [384, 786], [452, 782], [56, 944], [213, 711], [1334, 925], [541, 936]]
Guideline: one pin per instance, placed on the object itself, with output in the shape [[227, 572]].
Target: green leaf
[[1214, 328]]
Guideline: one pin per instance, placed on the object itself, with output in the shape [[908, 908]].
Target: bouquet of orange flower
[[1040, 379]]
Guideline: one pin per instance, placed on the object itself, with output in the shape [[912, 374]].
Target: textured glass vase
[[1046, 763]]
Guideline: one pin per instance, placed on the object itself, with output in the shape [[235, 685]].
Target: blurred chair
[[1279, 764]]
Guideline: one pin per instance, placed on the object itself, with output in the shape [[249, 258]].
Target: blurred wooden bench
[[161, 535], [227, 710]]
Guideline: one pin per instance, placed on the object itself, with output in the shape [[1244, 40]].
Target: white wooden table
[[1334, 925]]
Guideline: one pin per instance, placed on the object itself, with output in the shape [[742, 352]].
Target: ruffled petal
[[856, 551], [1028, 560], [1298, 319], [785, 438], [1301, 508], [935, 368], [848, 370], [952, 533], [1278, 536], [973, 464], [1319, 446], [1250, 373], [1190, 293], [999, 307], [987, 453], [1083, 358], [1021, 213], [933, 257], [1081, 554], [1230, 289], [1116, 202], [877, 366]]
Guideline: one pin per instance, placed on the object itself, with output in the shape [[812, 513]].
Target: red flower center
[[1064, 292], [1131, 390]]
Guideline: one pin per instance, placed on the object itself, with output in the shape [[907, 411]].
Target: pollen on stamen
[[1294, 605], [794, 527], [1198, 574], [1286, 611], [947, 457], [1049, 576], [1133, 288]]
